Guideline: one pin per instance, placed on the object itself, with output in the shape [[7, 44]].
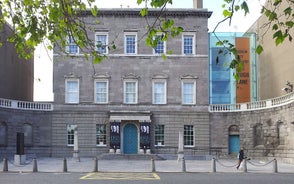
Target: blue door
[[234, 144], [130, 139]]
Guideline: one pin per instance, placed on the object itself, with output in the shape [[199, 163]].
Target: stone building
[[135, 101]]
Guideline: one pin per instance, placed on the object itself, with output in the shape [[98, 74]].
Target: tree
[[34, 21], [279, 14]]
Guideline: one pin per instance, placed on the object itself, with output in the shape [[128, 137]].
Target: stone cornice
[[151, 12]]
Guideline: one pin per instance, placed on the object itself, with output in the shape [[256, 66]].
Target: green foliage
[[34, 21]]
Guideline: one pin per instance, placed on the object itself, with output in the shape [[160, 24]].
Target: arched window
[[3, 134], [280, 133], [28, 134], [258, 134]]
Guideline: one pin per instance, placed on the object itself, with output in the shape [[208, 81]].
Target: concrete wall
[[275, 65], [16, 75]]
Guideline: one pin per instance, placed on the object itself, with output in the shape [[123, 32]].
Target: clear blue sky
[[43, 65]]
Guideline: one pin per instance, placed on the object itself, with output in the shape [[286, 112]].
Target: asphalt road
[[145, 178]]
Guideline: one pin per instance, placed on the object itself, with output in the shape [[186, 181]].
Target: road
[[145, 178]]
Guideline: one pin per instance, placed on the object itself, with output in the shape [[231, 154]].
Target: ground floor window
[[159, 135], [71, 134], [100, 134], [188, 135]]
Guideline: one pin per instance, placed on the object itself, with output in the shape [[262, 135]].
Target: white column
[[76, 146], [181, 146]]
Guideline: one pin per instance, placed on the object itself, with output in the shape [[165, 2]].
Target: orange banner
[[243, 86]]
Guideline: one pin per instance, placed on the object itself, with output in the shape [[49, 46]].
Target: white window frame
[[193, 44], [159, 135], [193, 136], [136, 90], [67, 49], [67, 92], [95, 90], [153, 91], [73, 127], [191, 81], [125, 42], [101, 141], [106, 41], [164, 48]]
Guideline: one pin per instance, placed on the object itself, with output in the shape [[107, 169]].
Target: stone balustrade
[[23, 105], [258, 105]]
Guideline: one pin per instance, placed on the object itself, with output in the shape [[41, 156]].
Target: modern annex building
[[136, 102]]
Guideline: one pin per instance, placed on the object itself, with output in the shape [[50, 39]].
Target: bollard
[[5, 165], [245, 166], [213, 165], [95, 165], [183, 165], [275, 166], [64, 165], [35, 166], [152, 165]]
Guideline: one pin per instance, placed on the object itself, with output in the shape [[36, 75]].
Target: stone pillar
[[76, 146], [181, 146]]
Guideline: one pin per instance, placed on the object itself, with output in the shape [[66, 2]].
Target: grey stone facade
[[144, 66], [35, 125]]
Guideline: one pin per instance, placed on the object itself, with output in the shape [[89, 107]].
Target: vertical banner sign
[[145, 135], [115, 135], [243, 86]]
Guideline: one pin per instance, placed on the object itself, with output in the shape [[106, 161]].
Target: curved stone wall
[[263, 133]]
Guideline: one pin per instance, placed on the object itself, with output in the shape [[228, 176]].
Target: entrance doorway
[[234, 139], [130, 139], [234, 144]]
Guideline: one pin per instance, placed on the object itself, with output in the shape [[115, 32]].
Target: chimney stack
[[197, 4]]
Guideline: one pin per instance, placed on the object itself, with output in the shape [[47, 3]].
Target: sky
[[43, 75]]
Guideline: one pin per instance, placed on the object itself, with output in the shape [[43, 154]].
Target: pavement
[[85, 165]]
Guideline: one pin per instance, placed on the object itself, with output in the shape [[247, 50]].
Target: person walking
[[240, 157]]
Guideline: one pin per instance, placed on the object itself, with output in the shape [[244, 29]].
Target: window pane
[[70, 134], [72, 92], [159, 93], [130, 44], [101, 44], [101, 92], [72, 47], [188, 44], [130, 92], [188, 93], [188, 135], [101, 134], [159, 49], [159, 135]]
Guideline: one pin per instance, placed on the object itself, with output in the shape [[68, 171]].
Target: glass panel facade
[[222, 80]]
